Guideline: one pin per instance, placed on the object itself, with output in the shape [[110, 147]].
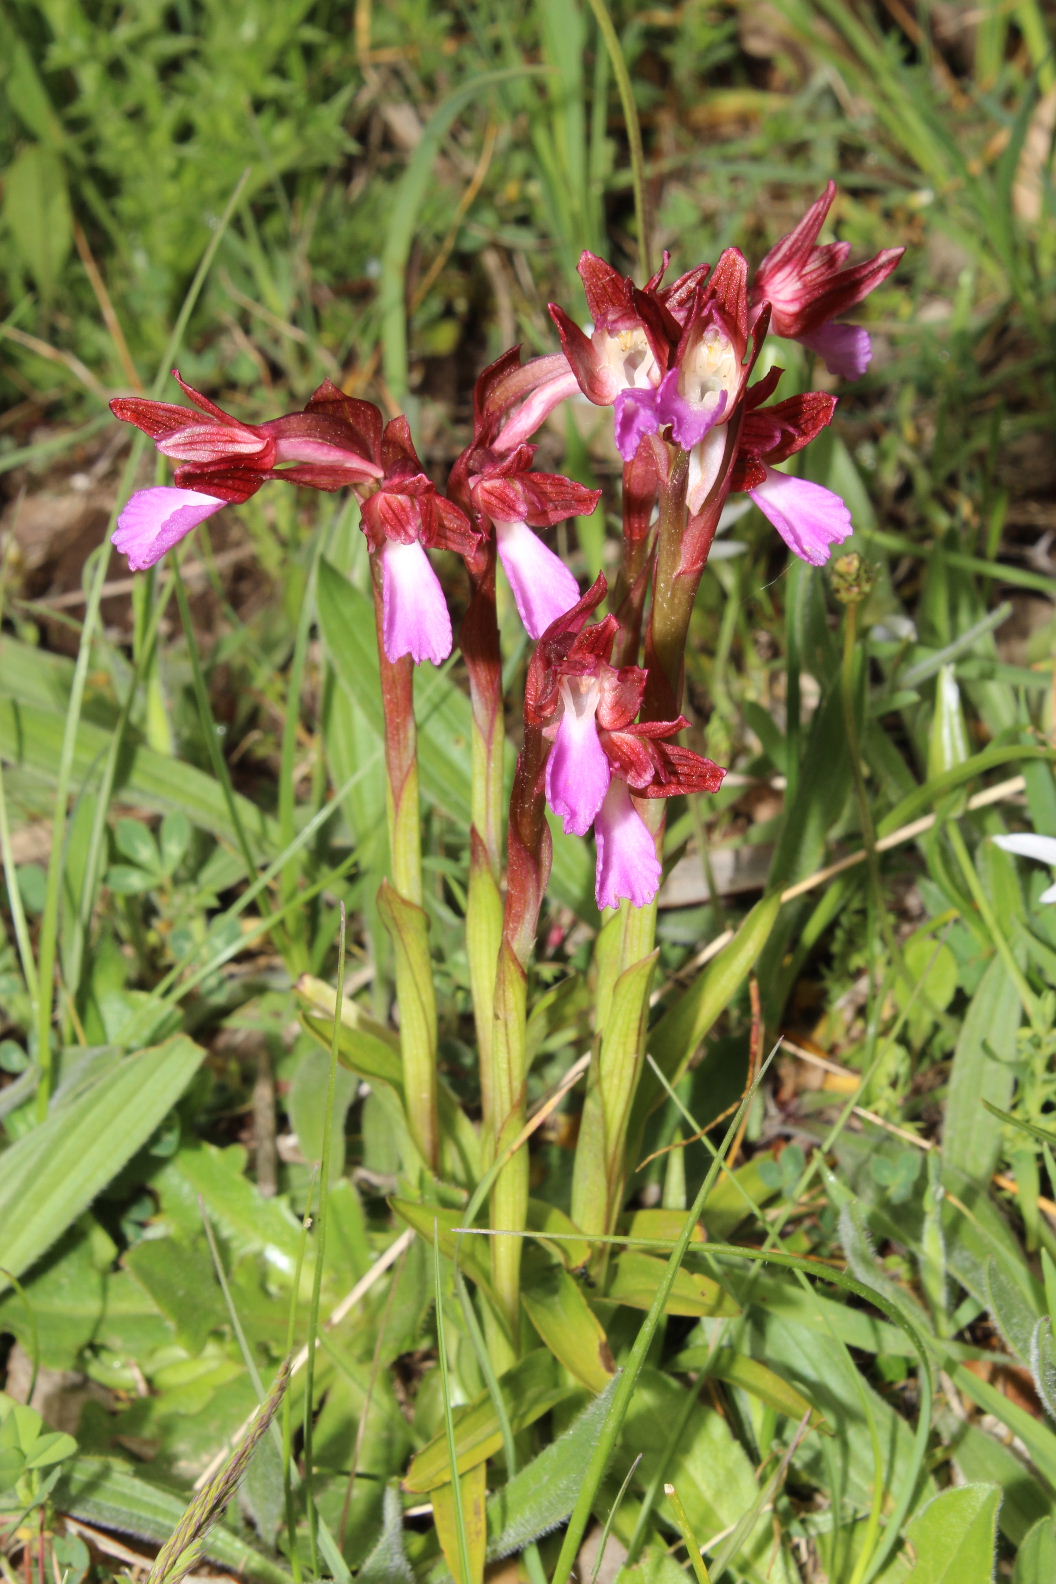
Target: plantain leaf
[[53, 1173], [107, 1493], [38, 216], [953, 1537]]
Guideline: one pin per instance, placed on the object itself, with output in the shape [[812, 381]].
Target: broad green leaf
[[558, 1233], [683, 1441], [982, 1070], [372, 1051], [1036, 1561], [954, 1535], [58, 1311], [472, 1488], [1012, 1308], [1036, 1435], [659, 1226], [530, 1389], [135, 841], [183, 1284], [436, 1223], [980, 1457], [52, 1174], [637, 1277], [809, 1354], [542, 1494], [755, 1377], [32, 738], [99, 1491], [37, 212], [1043, 1363], [202, 1175], [306, 1104], [387, 1563], [556, 1304]]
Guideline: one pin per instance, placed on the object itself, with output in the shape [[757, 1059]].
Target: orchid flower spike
[[808, 286], [1027, 845]]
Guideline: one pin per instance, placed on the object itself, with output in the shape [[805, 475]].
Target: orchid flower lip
[[543, 586], [578, 774], [154, 520], [415, 618]]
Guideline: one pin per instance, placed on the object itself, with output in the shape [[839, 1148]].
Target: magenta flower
[[333, 443], [624, 362], [405, 516], [600, 756], [156, 519], [808, 285], [627, 865], [809, 518], [674, 359], [505, 492]]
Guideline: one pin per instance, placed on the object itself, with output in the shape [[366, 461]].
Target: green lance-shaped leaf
[[48, 1177], [435, 1223], [1043, 1363], [100, 1491], [469, 1509], [38, 216], [637, 1277], [556, 1304], [530, 1389], [983, 1070], [1036, 1559], [679, 1032], [541, 1495], [372, 1051], [953, 1537], [738, 1369]]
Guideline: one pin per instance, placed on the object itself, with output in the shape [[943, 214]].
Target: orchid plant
[[601, 709]]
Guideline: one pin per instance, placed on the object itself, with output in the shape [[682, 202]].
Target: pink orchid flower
[[405, 516], [224, 461], [809, 285], [601, 759]]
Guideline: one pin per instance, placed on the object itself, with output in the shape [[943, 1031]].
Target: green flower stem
[[480, 649], [600, 1169], [401, 902], [528, 871], [632, 583], [627, 952]]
